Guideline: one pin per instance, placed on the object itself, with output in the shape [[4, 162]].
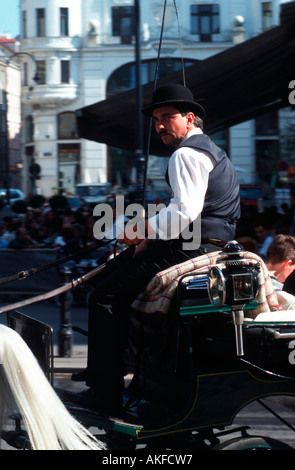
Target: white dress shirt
[[188, 177]]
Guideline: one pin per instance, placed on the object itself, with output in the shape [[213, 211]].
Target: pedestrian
[[201, 217], [22, 240], [264, 236]]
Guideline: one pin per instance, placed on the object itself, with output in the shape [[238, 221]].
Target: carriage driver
[[205, 187]]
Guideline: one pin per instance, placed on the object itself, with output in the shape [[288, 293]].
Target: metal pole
[[65, 339], [140, 159]]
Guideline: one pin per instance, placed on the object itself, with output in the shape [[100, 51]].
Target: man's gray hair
[[198, 122]]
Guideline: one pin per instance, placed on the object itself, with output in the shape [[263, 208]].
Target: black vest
[[222, 200]]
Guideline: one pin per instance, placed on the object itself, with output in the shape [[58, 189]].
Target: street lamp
[[36, 79]]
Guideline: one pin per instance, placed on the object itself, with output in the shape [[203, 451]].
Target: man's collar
[[195, 131]]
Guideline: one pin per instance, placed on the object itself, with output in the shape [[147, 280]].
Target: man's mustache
[[161, 133]]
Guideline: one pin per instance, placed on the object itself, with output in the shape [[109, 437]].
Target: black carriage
[[195, 368]]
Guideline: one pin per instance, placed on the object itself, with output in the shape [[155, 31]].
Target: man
[[280, 260], [22, 240], [205, 189]]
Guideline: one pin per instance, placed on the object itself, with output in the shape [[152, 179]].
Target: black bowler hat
[[174, 95]]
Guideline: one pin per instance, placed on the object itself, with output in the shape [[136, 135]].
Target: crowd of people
[[256, 230], [55, 228], [47, 228]]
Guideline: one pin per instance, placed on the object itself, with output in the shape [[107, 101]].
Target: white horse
[[24, 385]]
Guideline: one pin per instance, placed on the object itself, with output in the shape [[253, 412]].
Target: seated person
[[280, 262], [264, 237], [280, 259], [205, 192], [22, 240]]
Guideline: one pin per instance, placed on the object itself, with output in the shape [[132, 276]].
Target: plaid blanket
[[161, 289]]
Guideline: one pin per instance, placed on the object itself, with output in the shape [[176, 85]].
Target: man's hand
[[131, 235]]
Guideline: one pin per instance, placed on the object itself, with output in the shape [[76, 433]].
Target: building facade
[[84, 51], [10, 116]]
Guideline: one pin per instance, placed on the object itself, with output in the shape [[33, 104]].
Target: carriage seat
[[286, 315], [279, 316]]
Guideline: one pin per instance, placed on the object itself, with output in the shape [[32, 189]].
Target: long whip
[[155, 84]]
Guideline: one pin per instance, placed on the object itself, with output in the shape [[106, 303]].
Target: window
[[2, 88], [41, 71], [205, 21], [221, 138], [123, 23], [65, 71], [67, 128], [267, 145], [68, 166], [266, 15], [40, 22], [267, 124], [26, 80], [124, 78], [29, 129], [68, 152], [64, 21], [24, 24], [3, 143], [2, 122], [267, 156]]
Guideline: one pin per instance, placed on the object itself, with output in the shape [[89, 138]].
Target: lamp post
[[36, 79]]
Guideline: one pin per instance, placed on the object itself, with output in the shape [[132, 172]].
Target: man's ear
[[190, 118], [287, 263]]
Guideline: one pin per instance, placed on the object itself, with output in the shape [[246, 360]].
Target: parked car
[[74, 202], [251, 195], [93, 193], [14, 195], [282, 196]]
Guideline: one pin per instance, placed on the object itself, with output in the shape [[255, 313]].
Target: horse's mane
[[24, 385]]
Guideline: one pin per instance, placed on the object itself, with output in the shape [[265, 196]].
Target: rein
[[70, 285], [32, 271], [39, 298]]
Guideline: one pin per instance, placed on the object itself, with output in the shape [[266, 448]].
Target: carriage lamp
[[235, 285], [231, 288]]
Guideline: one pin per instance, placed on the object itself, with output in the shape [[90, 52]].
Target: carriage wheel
[[253, 443]]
